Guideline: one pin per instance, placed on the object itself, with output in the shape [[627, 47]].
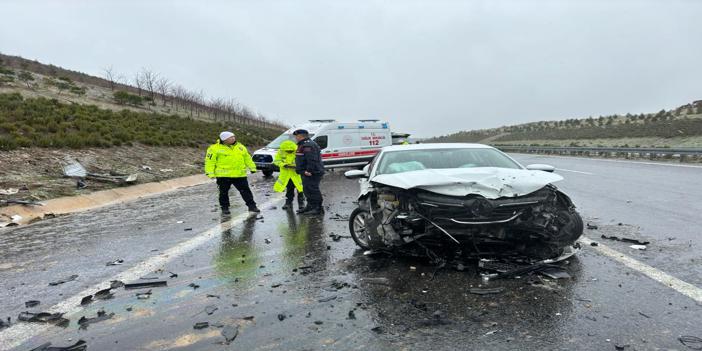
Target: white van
[[343, 144]]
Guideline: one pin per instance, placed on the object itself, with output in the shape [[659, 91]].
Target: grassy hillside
[[146, 91], [666, 127], [43, 122]]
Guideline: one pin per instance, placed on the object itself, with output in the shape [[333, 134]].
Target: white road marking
[[618, 161], [666, 279], [20, 333], [574, 171]]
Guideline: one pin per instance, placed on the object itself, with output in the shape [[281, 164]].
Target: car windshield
[[275, 144], [413, 160]]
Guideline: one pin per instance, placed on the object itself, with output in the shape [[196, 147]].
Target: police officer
[[227, 160], [288, 179], [308, 164]]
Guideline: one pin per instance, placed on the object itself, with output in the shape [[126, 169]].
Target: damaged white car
[[461, 199]]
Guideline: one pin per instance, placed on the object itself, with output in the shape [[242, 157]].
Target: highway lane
[[253, 270], [658, 202]]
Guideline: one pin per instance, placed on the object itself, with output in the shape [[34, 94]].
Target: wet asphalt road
[[326, 292]]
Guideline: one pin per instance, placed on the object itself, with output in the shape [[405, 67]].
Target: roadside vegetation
[[682, 123], [145, 90], [49, 123]]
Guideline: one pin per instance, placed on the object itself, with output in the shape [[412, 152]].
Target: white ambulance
[[343, 144]]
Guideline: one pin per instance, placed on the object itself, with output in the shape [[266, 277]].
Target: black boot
[[225, 210], [313, 211], [303, 210], [254, 209], [301, 201], [288, 205]]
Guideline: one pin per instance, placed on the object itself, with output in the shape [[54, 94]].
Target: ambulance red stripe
[[350, 154]]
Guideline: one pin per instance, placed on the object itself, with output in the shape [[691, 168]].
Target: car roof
[[435, 146]]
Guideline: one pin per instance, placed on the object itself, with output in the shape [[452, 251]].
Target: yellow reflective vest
[[286, 157], [228, 161]]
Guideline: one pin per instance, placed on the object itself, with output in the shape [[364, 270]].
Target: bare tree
[[138, 82], [163, 86], [149, 79], [109, 74]]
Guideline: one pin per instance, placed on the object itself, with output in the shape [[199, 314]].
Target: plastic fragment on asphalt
[[626, 240], [638, 247], [692, 342], [31, 303], [201, 325], [172, 275], [104, 294], [352, 315], [193, 285], [210, 310], [267, 241], [83, 322], [230, 333], [145, 284], [44, 317], [16, 218], [87, 300], [591, 226], [80, 345], [486, 291], [143, 295], [4, 324], [64, 280], [115, 262], [281, 317]]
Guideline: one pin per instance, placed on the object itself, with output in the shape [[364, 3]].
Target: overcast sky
[[428, 67]]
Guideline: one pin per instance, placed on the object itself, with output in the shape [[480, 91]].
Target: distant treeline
[[682, 122], [49, 123]]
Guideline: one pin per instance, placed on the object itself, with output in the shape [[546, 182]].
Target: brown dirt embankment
[[38, 172]]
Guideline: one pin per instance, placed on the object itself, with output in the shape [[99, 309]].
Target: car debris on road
[[83, 322], [80, 345], [626, 240], [64, 280], [44, 317]]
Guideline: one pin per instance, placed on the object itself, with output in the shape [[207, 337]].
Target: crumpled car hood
[[490, 182]]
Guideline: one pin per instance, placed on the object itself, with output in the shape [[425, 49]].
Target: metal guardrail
[[684, 154]]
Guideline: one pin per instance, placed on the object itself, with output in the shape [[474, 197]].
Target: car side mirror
[[356, 174], [540, 167]]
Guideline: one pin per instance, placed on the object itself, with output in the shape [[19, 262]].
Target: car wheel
[[267, 173], [358, 222]]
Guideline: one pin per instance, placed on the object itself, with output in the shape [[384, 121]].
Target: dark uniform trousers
[[290, 193], [310, 185], [241, 184]]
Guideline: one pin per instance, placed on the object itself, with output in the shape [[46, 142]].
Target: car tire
[[267, 173], [357, 226]]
